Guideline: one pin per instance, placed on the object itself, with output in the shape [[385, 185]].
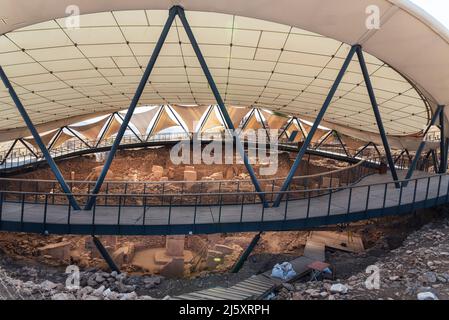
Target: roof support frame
[[363, 149], [377, 115], [301, 127], [38, 139], [9, 152], [186, 130], [28, 148], [76, 135], [342, 144], [206, 117], [263, 123], [171, 17], [55, 138], [213, 87], [105, 129], [315, 125], [326, 136], [156, 120], [129, 127]]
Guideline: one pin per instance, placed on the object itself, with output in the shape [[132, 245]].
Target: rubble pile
[[419, 269]]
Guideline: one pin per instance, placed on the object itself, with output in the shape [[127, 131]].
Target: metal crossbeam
[[9, 152], [327, 135], [174, 11], [172, 14], [342, 144], [312, 131], [105, 129], [129, 127], [213, 87], [376, 111], [38, 140], [55, 138], [78, 137]]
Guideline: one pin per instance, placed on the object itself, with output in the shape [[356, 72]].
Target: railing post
[[169, 210], [367, 199], [22, 211], [144, 210], [1, 210], [119, 209], [45, 211], [443, 150]]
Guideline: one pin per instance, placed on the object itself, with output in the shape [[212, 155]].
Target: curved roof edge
[[428, 70]]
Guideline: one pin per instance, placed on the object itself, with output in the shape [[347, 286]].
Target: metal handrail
[[189, 182], [73, 146], [336, 189], [297, 216]]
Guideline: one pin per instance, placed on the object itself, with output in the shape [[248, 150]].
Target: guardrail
[[300, 209], [21, 157], [335, 179]]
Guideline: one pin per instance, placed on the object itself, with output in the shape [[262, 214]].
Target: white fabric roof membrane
[[273, 63]]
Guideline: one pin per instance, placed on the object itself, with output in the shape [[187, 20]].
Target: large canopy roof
[[281, 55]]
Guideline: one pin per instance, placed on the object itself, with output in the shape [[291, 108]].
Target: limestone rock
[[59, 250]]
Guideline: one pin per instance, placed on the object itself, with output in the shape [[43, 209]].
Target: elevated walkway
[[372, 197]]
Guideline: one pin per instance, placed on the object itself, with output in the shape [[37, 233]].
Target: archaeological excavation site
[[213, 151]]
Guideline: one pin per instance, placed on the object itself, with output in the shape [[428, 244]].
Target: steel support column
[[312, 131], [239, 264], [220, 103], [105, 254], [422, 145], [38, 140], [443, 150], [376, 111], [132, 107]]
